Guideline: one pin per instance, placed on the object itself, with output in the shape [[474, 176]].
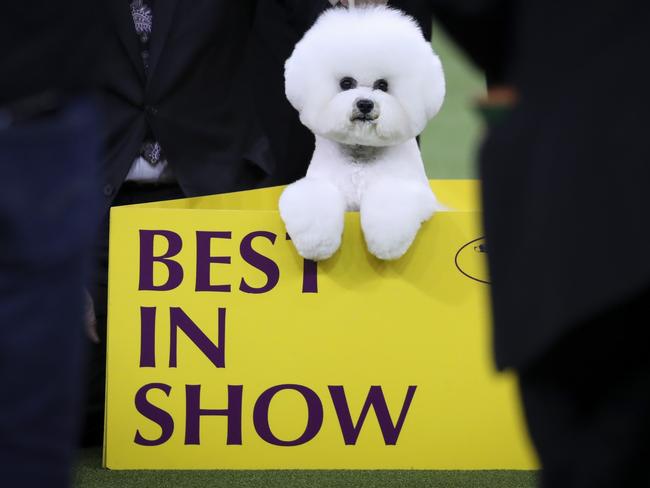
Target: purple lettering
[[147, 337], [309, 275], [155, 414], [147, 260], [215, 353], [259, 261], [195, 412], [204, 260], [376, 400], [314, 415]]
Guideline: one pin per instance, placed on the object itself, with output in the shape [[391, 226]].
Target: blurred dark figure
[[565, 170], [48, 208]]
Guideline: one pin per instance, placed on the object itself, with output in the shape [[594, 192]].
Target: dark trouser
[[588, 403], [48, 207], [130, 193]]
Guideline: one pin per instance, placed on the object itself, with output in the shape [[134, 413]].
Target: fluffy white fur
[[373, 165]]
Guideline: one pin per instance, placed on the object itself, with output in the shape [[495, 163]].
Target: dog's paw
[[316, 246], [388, 237], [391, 215], [313, 213]]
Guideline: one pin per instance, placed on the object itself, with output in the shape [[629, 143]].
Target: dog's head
[[365, 76]]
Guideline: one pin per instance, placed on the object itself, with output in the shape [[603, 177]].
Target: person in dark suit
[[565, 169], [194, 104], [49, 204]]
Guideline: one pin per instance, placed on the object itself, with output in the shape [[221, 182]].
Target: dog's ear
[[295, 80], [433, 85]]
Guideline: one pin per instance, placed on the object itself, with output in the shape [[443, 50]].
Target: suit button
[[151, 110], [108, 190]]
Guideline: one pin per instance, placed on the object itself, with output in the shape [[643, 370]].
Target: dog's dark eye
[[381, 85], [348, 83]]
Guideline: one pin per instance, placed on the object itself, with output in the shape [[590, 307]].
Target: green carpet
[[448, 145], [91, 475], [451, 139]]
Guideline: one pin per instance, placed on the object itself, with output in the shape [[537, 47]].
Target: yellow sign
[[226, 350]]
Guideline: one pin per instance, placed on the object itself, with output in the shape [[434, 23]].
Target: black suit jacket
[[205, 92], [565, 176]]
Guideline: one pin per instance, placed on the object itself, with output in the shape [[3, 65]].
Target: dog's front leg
[[392, 211], [313, 211]]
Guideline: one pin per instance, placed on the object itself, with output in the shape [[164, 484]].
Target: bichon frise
[[365, 82]]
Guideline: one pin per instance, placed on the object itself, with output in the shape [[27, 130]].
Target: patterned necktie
[[143, 22]]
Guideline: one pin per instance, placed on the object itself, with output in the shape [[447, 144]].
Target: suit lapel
[[126, 31], [163, 16]]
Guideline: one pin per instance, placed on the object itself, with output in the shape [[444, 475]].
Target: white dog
[[365, 82]]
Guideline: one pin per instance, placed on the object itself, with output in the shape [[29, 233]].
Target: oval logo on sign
[[471, 260]]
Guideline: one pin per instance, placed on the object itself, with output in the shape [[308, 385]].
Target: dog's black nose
[[365, 106]]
